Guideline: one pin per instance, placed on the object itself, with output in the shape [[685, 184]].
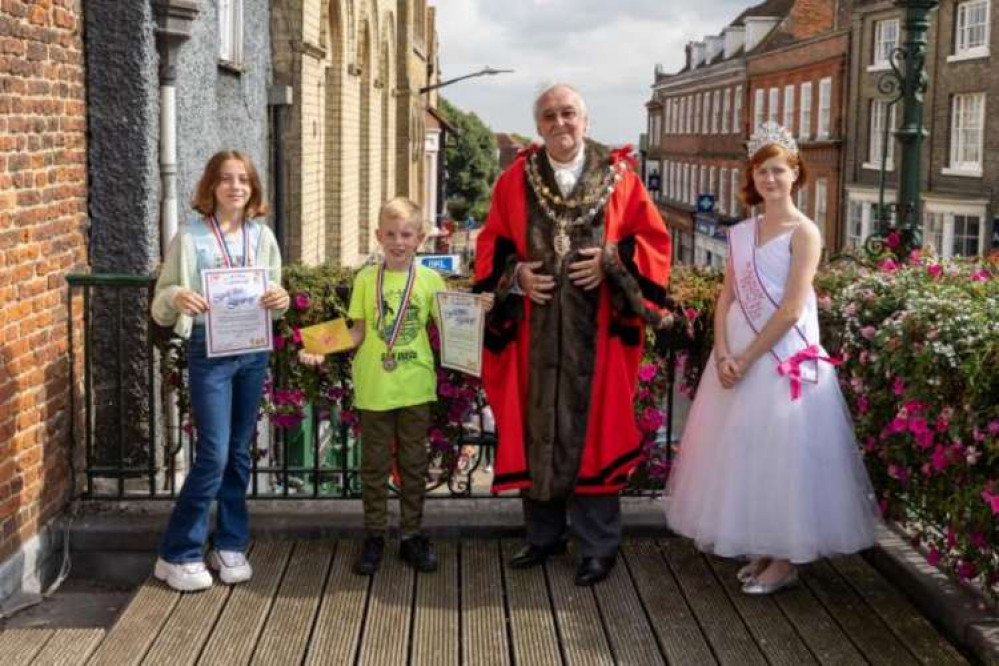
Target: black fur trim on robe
[[651, 291], [508, 311]]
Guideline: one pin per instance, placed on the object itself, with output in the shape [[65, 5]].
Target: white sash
[[795, 355]]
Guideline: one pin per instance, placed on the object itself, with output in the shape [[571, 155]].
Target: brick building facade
[[43, 231], [960, 158], [356, 130]]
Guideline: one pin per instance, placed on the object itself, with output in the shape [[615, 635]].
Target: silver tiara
[[771, 133]]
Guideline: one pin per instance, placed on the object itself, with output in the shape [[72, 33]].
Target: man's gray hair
[[549, 87]]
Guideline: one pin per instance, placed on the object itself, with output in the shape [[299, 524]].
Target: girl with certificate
[[769, 468], [225, 390]]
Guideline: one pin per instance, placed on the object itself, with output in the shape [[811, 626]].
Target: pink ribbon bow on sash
[[792, 367]]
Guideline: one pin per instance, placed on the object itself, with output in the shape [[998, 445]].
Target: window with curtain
[[885, 41], [967, 122], [805, 111], [971, 28], [759, 112], [882, 116], [825, 108], [737, 110], [231, 31]]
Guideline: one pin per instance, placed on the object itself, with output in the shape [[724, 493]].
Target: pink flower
[[302, 301], [296, 335], [850, 309], [942, 424], [868, 332], [933, 557], [898, 386], [647, 371], [994, 427], [981, 275], [888, 266], [898, 424], [924, 440], [966, 569], [690, 313], [893, 240], [978, 540], [934, 270], [279, 341], [863, 405], [939, 459], [971, 455], [992, 500], [917, 425]]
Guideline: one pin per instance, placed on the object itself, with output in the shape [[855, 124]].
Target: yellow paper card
[[327, 337]]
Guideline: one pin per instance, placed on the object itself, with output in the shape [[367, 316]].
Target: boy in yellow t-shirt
[[394, 381]]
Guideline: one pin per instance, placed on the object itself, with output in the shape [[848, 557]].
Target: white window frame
[[733, 193], [867, 199], [726, 110], [947, 211], [666, 115], [821, 204], [759, 111], [962, 49], [705, 112], [882, 46], [715, 111], [964, 135], [878, 115], [789, 108], [231, 32], [773, 110], [825, 109], [801, 199], [737, 110], [723, 183], [805, 112], [698, 100]]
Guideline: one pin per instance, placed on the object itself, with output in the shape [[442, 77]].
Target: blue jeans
[[225, 401]]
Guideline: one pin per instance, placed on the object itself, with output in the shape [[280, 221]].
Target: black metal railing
[[137, 439]]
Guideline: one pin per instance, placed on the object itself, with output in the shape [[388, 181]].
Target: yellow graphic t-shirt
[[414, 379]]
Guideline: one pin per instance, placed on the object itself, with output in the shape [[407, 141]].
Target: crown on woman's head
[[772, 133]]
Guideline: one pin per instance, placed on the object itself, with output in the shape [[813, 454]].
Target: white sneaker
[[231, 565], [184, 577]]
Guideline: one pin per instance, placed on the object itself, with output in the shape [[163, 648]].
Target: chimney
[[735, 38], [758, 27], [714, 44], [696, 54]]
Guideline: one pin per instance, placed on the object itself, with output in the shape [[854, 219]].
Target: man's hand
[[190, 302], [536, 285], [488, 300], [275, 298], [587, 273]]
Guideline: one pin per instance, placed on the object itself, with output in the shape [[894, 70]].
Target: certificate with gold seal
[[236, 322], [461, 323]]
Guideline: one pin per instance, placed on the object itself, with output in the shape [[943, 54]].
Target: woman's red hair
[[750, 196]]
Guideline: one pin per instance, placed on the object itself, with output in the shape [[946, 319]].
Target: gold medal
[[389, 363], [562, 243]]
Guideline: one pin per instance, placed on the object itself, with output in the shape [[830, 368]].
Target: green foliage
[[472, 164]]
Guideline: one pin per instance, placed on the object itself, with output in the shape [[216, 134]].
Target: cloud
[[609, 50]]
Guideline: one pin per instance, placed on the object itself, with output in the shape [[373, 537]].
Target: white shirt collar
[[567, 173]]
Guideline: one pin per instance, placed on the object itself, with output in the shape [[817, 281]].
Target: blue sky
[[608, 48]]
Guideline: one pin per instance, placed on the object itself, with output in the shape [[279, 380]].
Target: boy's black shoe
[[367, 562], [417, 552]]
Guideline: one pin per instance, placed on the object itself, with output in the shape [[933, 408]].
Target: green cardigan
[[180, 271]]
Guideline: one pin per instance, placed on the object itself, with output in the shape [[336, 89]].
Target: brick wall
[[42, 220]]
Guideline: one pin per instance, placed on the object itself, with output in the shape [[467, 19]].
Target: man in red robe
[[578, 259]]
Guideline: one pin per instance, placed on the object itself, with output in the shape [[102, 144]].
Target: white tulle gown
[[761, 475]]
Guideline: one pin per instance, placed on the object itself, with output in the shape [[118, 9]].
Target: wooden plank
[[580, 626], [867, 631], [532, 623], [819, 631], [436, 634], [236, 632], [341, 612], [139, 625], [902, 618], [19, 646], [189, 626], [631, 637], [387, 631], [727, 635], [669, 615], [69, 647], [483, 620], [774, 635], [285, 636]]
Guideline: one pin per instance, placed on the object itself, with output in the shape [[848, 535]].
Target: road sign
[[705, 203], [445, 263]]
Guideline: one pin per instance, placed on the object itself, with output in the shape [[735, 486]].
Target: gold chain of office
[[591, 201]]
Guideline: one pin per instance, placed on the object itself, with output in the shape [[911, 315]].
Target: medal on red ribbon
[[389, 362], [224, 245]]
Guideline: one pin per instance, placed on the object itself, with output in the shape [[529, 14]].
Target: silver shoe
[[755, 588], [748, 571]]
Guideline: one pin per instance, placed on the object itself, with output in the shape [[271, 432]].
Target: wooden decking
[[664, 603]]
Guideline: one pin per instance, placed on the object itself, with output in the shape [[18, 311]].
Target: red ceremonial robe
[[611, 445]]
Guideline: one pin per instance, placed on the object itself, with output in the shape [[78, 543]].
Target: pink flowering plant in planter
[[920, 343]]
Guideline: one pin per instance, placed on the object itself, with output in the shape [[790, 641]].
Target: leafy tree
[[472, 164]]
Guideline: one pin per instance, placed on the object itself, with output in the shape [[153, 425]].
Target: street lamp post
[[485, 71], [903, 234]]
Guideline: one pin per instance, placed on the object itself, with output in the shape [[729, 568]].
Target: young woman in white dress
[[768, 466]]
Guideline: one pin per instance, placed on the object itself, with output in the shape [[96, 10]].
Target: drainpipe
[[279, 98], [174, 20]]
